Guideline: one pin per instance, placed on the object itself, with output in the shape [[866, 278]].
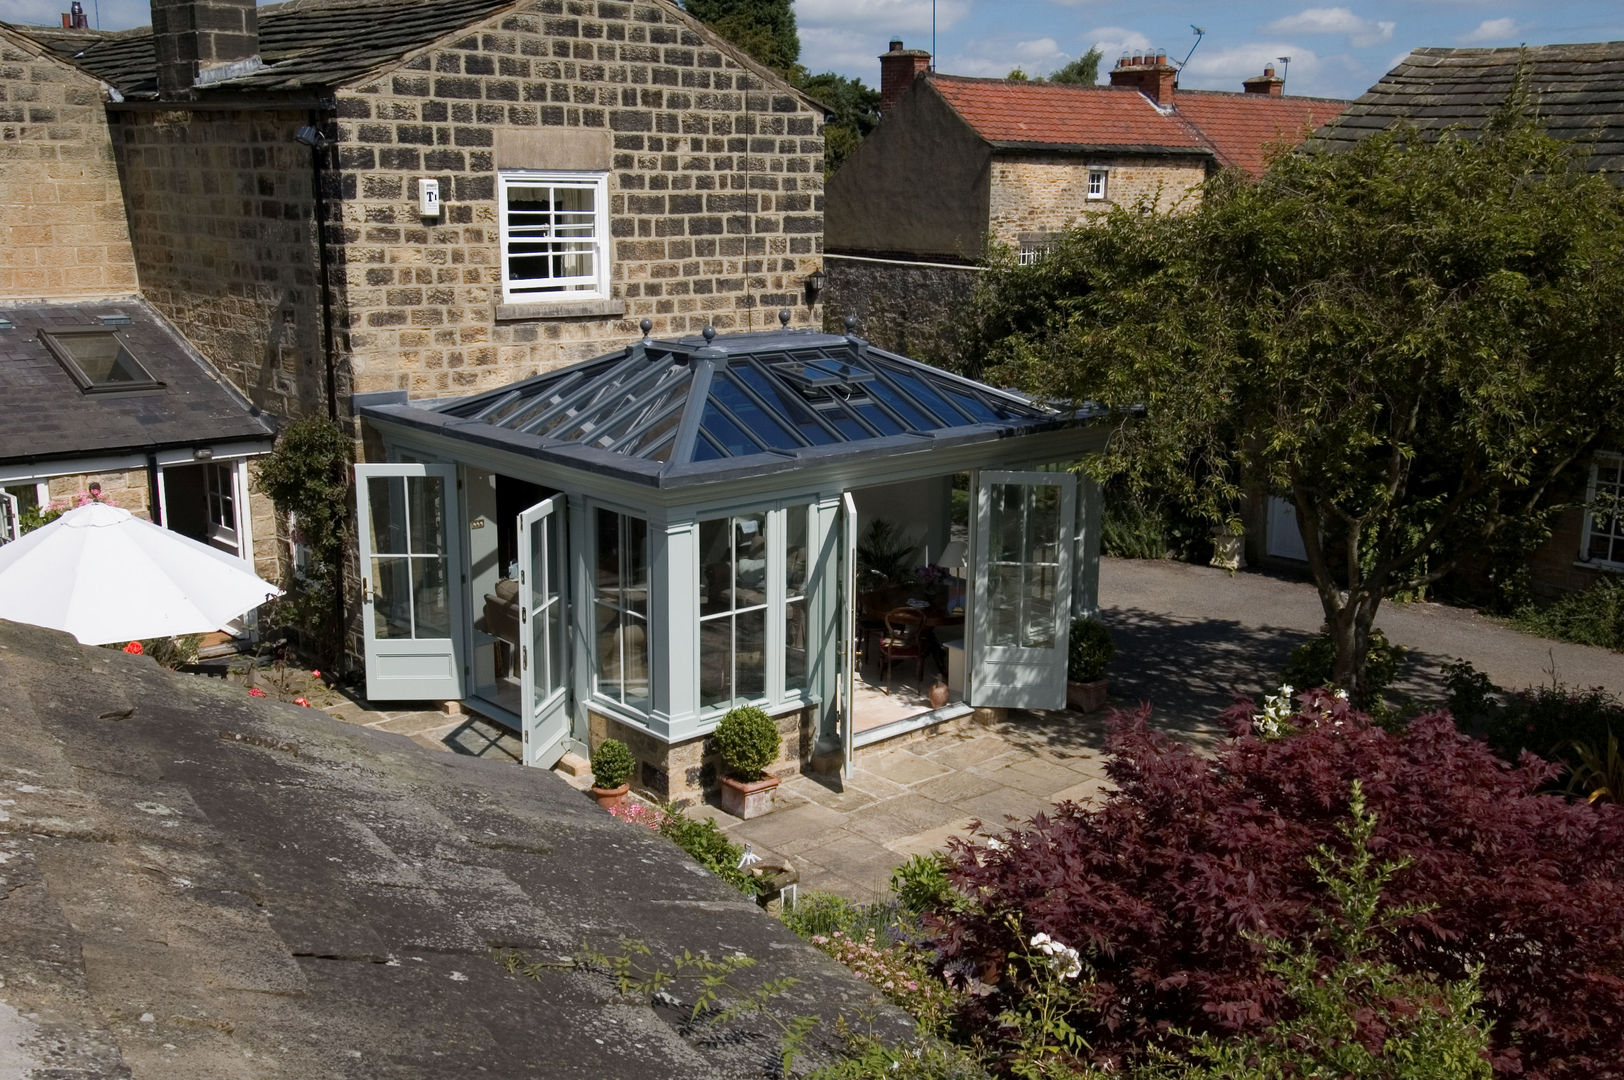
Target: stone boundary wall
[[687, 770], [908, 308], [62, 228], [715, 179]]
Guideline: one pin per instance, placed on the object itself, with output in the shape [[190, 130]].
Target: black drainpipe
[[152, 489], [316, 187]]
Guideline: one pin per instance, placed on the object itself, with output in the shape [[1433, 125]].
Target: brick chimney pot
[[899, 67]]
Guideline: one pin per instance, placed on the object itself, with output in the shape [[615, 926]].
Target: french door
[[544, 654], [1021, 589], [411, 607]]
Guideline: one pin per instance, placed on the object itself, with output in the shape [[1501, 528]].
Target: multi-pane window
[[620, 608], [796, 559], [1033, 252], [555, 235], [1604, 523], [1096, 183], [222, 506], [732, 610]]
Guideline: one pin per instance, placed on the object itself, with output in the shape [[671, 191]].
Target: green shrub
[[612, 764], [747, 739], [921, 884], [1592, 617], [1548, 720], [1090, 650], [706, 843], [1311, 663], [170, 652]]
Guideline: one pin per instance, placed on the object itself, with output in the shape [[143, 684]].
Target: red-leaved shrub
[[1168, 883]]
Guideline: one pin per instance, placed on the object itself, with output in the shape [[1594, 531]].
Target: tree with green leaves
[[854, 109], [763, 28], [1083, 71], [1417, 340]]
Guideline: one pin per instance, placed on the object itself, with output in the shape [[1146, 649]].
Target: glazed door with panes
[[411, 605], [544, 654], [10, 529], [1021, 591]]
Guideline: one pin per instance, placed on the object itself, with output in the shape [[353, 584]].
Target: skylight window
[[98, 360]]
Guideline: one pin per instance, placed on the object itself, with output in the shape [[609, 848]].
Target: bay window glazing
[[732, 610], [620, 608]]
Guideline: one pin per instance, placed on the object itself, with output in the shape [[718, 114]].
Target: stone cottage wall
[[1555, 569], [62, 229], [908, 307], [1036, 194], [715, 187], [222, 217]]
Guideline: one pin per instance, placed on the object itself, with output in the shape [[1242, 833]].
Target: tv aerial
[[1200, 32]]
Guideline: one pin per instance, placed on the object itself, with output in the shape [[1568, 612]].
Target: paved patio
[[1188, 637]]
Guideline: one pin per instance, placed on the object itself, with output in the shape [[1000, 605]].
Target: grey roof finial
[[851, 324], [646, 325], [783, 317], [710, 334]]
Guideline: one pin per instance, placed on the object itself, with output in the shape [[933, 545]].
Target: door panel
[[851, 650], [544, 651], [410, 595], [1021, 589]]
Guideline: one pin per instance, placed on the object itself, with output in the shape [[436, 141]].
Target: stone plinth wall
[[223, 220], [62, 228], [687, 770], [1037, 194], [127, 489], [715, 187], [906, 307]]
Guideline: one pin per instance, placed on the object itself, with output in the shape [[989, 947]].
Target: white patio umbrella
[[105, 575]]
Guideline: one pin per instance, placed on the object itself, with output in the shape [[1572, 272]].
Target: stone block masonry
[[1035, 194], [715, 187], [62, 229]]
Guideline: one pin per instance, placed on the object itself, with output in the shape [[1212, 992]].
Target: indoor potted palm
[[747, 741], [1090, 650], [612, 766]]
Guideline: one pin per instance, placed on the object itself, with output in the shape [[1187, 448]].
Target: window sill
[[559, 309], [1598, 564]]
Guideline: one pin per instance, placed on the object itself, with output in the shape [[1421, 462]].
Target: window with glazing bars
[[1604, 521], [555, 235]]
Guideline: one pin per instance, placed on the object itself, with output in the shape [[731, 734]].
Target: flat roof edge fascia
[[231, 446]]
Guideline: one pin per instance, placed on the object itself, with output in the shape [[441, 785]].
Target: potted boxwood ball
[[747, 740], [1090, 650], [612, 766]]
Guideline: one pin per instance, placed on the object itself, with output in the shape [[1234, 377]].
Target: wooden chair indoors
[[904, 639]]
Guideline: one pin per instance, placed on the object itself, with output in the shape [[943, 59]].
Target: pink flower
[[315, 674], [301, 701], [134, 648], [254, 691]]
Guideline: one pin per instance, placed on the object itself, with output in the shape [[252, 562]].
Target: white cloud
[[1338, 20], [1113, 42], [1493, 30], [1227, 69]]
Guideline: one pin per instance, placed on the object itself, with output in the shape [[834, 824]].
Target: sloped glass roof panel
[[684, 402]]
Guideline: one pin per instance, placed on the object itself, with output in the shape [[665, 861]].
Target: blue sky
[[1335, 51]]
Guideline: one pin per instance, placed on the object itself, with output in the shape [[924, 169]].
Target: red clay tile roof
[[1241, 127], [1054, 115], [1235, 128]]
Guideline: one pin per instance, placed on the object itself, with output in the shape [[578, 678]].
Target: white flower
[[1063, 959], [1040, 940], [994, 844], [1342, 695]]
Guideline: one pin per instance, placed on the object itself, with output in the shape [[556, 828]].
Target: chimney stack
[[1266, 83], [1150, 74], [899, 67], [74, 17], [202, 41]]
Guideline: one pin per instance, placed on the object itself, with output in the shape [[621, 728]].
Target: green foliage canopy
[[763, 28], [1416, 339], [855, 109]]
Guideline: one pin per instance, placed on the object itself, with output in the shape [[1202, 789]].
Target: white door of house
[[851, 650], [1021, 589], [1285, 536], [544, 654], [411, 606]]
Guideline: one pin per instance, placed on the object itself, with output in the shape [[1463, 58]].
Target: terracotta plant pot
[[748, 799], [611, 797], [938, 694], [1086, 697]]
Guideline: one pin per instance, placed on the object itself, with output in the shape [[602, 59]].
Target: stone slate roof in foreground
[[1578, 90], [44, 414], [197, 885], [305, 44]]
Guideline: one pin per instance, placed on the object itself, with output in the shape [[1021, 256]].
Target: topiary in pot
[[1089, 651], [612, 765], [747, 741]]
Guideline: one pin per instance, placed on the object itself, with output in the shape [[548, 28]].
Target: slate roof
[[698, 409], [1578, 89], [305, 44], [198, 885], [1231, 129], [1241, 128], [44, 414]]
